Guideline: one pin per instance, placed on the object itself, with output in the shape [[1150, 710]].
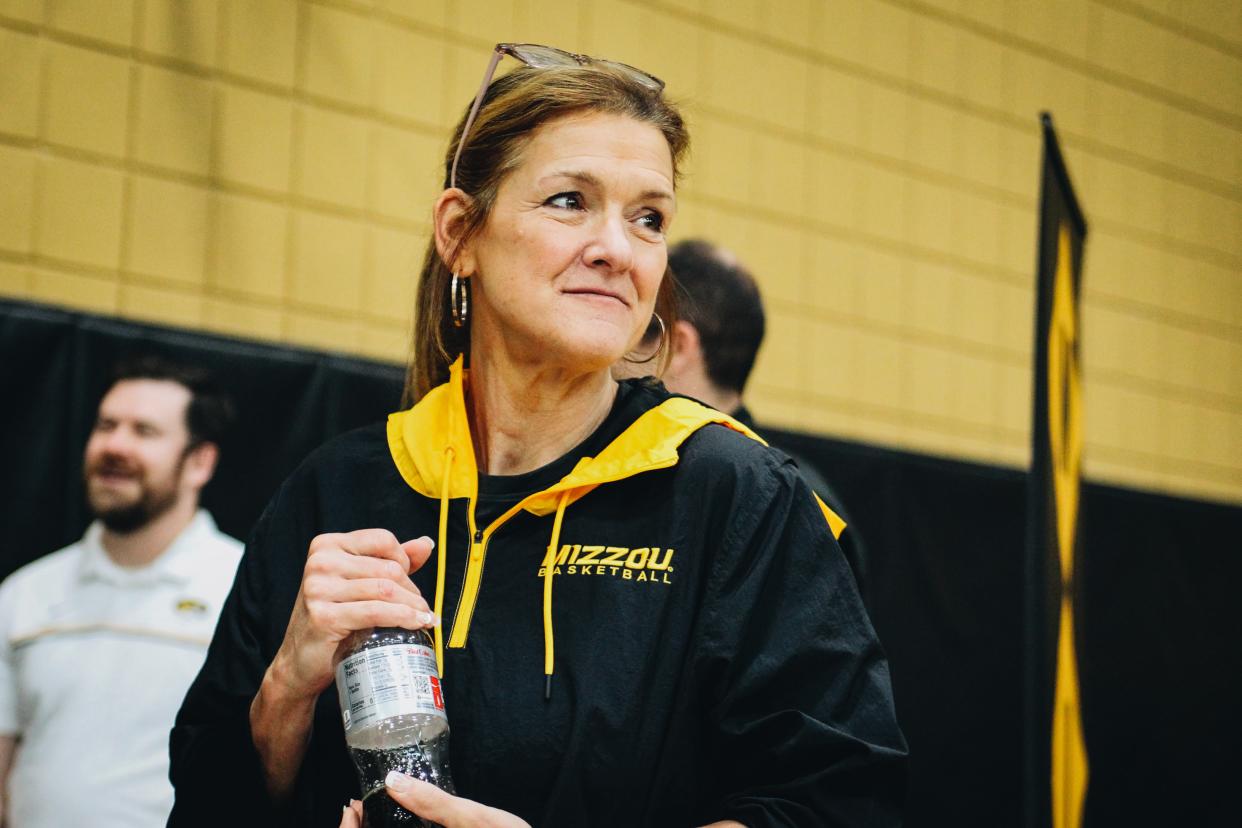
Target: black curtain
[[1162, 676], [56, 366], [1159, 644]]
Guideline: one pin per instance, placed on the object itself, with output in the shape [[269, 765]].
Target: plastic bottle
[[393, 710]]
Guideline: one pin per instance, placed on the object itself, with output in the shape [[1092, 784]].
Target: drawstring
[[548, 645], [441, 563], [442, 559]]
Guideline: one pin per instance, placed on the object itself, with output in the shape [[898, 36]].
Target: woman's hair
[[514, 107]]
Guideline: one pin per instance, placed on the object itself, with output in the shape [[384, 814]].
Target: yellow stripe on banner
[[1069, 753]]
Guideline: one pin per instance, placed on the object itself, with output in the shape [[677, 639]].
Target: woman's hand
[[434, 805], [352, 581]]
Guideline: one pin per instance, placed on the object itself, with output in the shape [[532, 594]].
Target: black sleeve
[[851, 540], [799, 703], [215, 768]]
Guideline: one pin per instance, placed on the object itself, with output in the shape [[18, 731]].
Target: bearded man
[[100, 640]]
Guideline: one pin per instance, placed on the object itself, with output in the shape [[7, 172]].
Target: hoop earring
[[659, 348], [459, 300]]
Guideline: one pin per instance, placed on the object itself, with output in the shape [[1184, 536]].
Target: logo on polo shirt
[[649, 564], [191, 605]]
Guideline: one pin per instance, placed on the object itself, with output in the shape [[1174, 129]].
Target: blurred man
[[714, 346], [99, 641]]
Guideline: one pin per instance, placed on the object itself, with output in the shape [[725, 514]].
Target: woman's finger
[[418, 551], [441, 807], [375, 543], [363, 615], [344, 591], [351, 815], [424, 799], [336, 564]]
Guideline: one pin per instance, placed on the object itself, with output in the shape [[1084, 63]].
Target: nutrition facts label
[[395, 680]]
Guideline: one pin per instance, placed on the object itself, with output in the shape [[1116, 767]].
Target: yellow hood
[[420, 437]]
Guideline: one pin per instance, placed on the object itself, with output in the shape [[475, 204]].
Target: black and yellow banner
[[1056, 757]]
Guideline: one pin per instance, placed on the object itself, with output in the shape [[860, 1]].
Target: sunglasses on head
[[541, 57]]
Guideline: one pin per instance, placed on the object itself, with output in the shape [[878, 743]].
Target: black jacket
[[851, 540], [710, 657]]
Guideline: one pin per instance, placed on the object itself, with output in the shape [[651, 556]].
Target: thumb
[[418, 551], [422, 798]]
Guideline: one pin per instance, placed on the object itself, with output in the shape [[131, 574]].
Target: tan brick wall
[[265, 168]]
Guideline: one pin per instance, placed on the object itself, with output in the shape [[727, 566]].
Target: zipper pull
[[478, 535]]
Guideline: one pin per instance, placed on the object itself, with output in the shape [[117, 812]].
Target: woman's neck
[[524, 417]]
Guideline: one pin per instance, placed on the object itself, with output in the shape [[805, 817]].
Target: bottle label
[[394, 680]]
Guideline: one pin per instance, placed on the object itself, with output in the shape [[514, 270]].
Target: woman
[[704, 654]]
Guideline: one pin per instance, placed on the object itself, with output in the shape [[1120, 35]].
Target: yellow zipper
[[474, 572], [470, 584]]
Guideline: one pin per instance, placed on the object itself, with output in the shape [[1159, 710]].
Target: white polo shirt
[[95, 660]]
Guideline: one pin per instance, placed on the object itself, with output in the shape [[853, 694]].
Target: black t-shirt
[[499, 492]]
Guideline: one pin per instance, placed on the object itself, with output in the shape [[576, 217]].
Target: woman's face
[[566, 270]]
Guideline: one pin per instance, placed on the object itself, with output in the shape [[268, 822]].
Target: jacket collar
[[432, 440]]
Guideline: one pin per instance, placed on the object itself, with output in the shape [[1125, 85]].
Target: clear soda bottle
[[393, 709]]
